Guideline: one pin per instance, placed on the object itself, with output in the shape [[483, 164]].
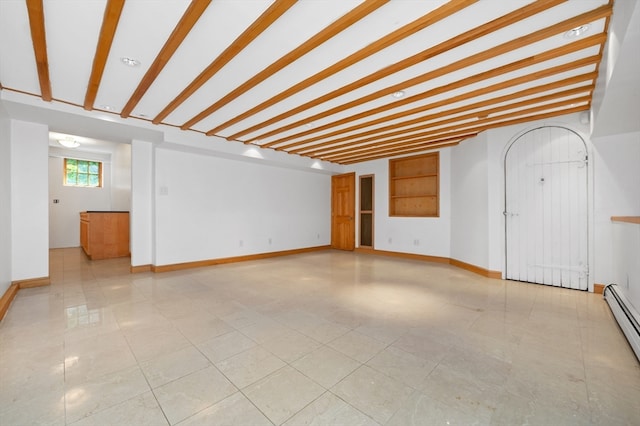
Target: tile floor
[[325, 338]]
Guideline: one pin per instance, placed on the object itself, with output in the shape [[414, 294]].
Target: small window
[[82, 173]]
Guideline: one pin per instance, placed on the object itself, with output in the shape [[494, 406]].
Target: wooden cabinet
[[104, 235], [414, 186]]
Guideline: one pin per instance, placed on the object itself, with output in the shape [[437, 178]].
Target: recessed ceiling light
[[309, 124], [107, 107], [577, 31], [398, 94], [130, 62]]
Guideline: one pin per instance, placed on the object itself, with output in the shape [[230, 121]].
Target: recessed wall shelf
[[414, 186]]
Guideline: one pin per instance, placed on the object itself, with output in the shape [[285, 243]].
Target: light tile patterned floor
[[325, 338]]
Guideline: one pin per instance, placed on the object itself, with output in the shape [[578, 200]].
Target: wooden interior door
[[343, 235]]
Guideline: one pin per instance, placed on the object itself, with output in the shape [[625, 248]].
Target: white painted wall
[[477, 222], [121, 178], [398, 233], [469, 202], [626, 263], [29, 195], [5, 203], [64, 216], [616, 99], [141, 216], [208, 207], [616, 162]]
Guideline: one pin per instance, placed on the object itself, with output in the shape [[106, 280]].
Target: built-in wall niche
[[366, 211], [414, 186]]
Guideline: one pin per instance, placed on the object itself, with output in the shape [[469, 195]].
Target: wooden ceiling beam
[[407, 149], [454, 130], [471, 116], [419, 24], [266, 19], [552, 54], [469, 95], [330, 31], [542, 116], [516, 117], [398, 152], [559, 28], [35, 10], [432, 136], [589, 77], [397, 142], [189, 18], [364, 149], [110, 20], [429, 53]]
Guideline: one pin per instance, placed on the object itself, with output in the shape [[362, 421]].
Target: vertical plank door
[[546, 209]]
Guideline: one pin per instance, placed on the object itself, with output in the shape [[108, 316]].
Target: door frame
[[359, 208], [583, 135]]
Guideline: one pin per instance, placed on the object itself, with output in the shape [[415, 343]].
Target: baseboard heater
[[626, 315]]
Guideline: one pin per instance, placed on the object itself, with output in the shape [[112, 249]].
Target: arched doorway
[[546, 208]]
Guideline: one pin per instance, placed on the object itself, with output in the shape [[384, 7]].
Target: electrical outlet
[[269, 240], [56, 201], [390, 240], [241, 243]]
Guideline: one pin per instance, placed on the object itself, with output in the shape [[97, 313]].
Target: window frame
[[76, 185]]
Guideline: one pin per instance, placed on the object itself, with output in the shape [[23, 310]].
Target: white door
[[546, 208]]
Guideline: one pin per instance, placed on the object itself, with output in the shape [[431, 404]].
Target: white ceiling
[[85, 143], [356, 53]]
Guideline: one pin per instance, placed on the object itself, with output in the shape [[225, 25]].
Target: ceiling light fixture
[[107, 107], [577, 31], [69, 142], [130, 62], [398, 94]]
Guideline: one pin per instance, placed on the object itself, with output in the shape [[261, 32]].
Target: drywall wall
[[616, 98], [141, 217], [208, 207], [616, 161], [469, 202], [29, 194], [626, 262], [5, 202], [417, 235], [121, 177]]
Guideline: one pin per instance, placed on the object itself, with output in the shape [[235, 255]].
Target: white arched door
[[546, 208]]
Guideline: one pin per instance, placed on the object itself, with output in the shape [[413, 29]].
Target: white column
[[29, 200], [142, 194], [5, 203]]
